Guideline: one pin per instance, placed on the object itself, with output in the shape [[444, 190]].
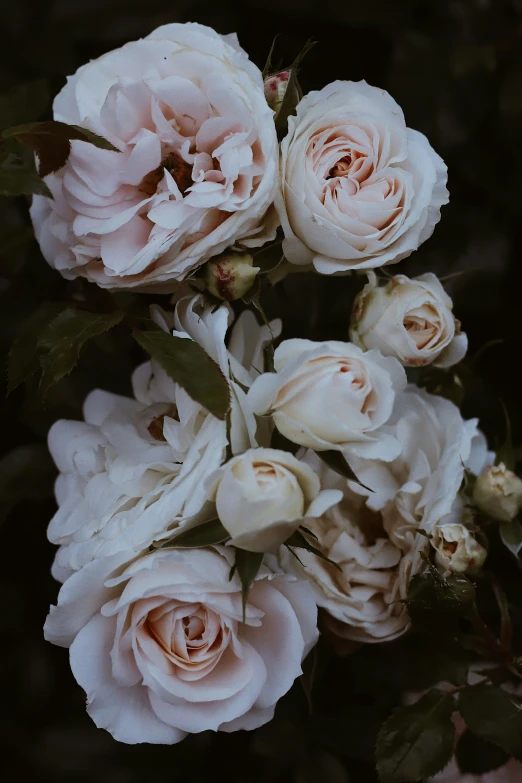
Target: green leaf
[[189, 365], [26, 473], [206, 534], [247, 565], [298, 540], [20, 181], [51, 141], [475, 756], [511, 535], [293, 92], [62, 340], [433, 600], [337, 462], [494, 716], [23, 356], [417, 741], [24, 102]]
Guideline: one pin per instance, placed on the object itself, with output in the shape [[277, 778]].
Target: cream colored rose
[[262, 496], [196, 169], [456, 548], [362, 597], [163, 647], [331, 395], [409, 319], [358, 188], [498, 492]]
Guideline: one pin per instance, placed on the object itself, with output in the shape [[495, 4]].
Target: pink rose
[[196, 171]]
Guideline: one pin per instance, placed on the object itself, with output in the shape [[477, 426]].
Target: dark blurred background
[[455, 66]]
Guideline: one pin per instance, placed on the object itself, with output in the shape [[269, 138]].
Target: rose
[[508, 773], [262, 496], [359, 189], [135, 469], [161, 650], [196, 169], [420, 487], [456, 548], [363, 601], [498, 493], [331, 395], [409, 319]]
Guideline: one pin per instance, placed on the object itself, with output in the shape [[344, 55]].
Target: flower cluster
[[195, 549]]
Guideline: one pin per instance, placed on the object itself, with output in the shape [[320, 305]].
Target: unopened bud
[[498, 493], [275, 89], [230, 275], [457, 549]]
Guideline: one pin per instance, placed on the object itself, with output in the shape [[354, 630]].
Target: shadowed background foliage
[[455, 66]]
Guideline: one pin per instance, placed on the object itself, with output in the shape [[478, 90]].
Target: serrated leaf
[[206, 534], [246, 565], [20, 181], [23, 356], [51, 141], [24, 102], [475, 756], [189, 365], [494, 716], [417, 741], [62, 340], [26, 472], [298, 541], [511, 535]]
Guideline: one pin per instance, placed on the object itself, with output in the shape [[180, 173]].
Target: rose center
[[155, 428], [180, 170], [341, 168]]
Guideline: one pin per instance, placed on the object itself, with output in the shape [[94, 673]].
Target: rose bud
[[410, 319], [456, 548], [263, 495], [230, 275], [275, 89], [498, 493]]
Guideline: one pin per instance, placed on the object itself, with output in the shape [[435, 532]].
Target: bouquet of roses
[[255, 491]]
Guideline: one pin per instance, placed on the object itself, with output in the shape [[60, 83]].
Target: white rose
[[456, 548], [409, 319], [498, 492], [362, 601], [136, 468], [161, 650], [196, 169], [420, 488], [359, 188], [331, 395], [263, 495]]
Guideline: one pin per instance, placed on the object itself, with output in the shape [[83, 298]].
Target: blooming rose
[[331, 396], [161, 650], [498, 492], [409, 319], [456, 548], [359, 188], [135, 468], [419, 488], [362, 601], [196, 169], [262, 496]]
